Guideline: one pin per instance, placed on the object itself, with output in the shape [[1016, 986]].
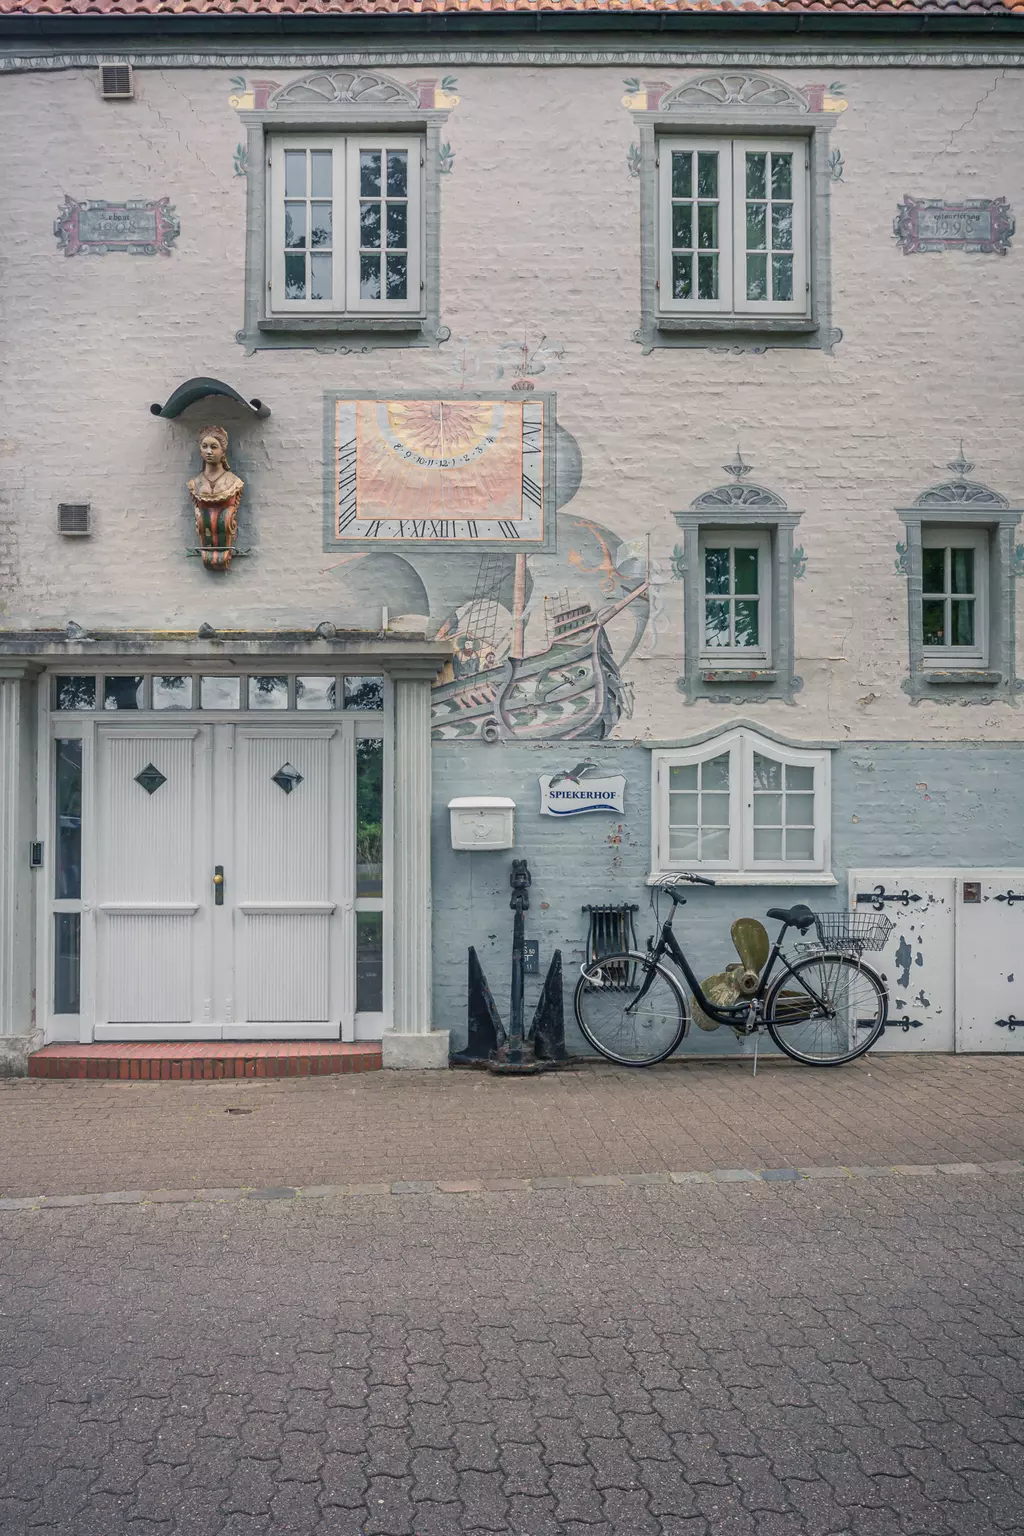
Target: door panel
[[287, 967], [990, 964], [917, 961]]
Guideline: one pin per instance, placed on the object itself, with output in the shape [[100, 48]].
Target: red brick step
[[205, 1060]]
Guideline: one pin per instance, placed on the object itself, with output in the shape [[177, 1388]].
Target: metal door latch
[[218, 885]]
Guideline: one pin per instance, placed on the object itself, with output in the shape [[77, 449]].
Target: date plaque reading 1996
[[929, 224]]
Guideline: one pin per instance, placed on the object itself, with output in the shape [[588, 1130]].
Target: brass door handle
[[218, 885]]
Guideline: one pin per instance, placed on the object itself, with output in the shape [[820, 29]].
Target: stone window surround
[[964, 684], [733, 683], [659, 329], [261, 330]]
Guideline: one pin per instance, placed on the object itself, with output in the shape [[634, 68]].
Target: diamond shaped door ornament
[[287, 778], [150, 778]]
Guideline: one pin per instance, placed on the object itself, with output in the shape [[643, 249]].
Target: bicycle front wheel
[[829, 1010], [624, 1019]]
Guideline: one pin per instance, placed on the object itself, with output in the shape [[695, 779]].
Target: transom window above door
[[742, 804], [733, 231], [218, 691], [345, 226]]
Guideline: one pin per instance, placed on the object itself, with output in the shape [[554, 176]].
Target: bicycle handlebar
[[668, 881]]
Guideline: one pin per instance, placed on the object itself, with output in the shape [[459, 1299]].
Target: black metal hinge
[[879, 896], [1010, 897], [1011, 1023]]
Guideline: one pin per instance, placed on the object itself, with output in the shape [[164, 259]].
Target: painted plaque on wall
[[475, 472], [978, 224], [562, 795], [135, 228]]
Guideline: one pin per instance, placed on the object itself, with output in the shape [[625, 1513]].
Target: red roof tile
[[321, 8]]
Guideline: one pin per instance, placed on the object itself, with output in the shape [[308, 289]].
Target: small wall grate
[[73, 519], [116, 82]]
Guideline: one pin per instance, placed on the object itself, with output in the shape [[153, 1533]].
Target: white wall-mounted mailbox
[[482, 822]]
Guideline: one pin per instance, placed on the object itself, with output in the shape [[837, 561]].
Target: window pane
[[321, 276], [295, 173], [74, 693], [321, 225], [295, 226], [714, 844], [799, 843], [68, 798], [933, 570], [767, 772], [707, 226], [398, 277], [716, 623], [683, 777], [757, 277], [756, 175], [961, 570], [756, 233], [782, 175], [767, 810], [364, 693], [716, 570], [369, 816], [782, 227], [746, 571], [397, 225], [369, 277], [67, 962], [398, 173], [369, 226], [682, 277], [782, 277], [172, 693], [933, 623], [714, 810], [320, 173], [369, 962], [767, 843], [220, 692], [799, 778], [295, 276], [122, 693], [707, 277], [315, 692], [707, 174], [715, 772], [683, 845], [682, 173], [682, 225], [369, 173], [745, 623], [682, 810], [268, 693], [800, 810], [963, 622]]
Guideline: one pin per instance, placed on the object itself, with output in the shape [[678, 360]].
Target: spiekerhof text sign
[[563, 796]]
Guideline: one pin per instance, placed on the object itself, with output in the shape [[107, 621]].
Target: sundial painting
[[433, 473]]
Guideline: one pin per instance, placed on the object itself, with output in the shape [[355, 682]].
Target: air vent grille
[[116, 82], [73, 518]]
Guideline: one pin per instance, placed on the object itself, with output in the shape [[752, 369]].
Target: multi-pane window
[[740, 803], [733, 226], [954, 569], [736, 605], [345, 226]]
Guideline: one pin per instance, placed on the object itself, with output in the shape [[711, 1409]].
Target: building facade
[[624, 396]]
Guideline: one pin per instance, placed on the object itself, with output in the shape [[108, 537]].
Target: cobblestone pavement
[[698, 1359], [70, 1137]]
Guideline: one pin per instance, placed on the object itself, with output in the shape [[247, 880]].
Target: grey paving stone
[[733, 1175]]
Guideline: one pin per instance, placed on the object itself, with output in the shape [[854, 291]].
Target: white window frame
[[741, 868], [732, 226], [741, 656], [946, 658], [345, 298]]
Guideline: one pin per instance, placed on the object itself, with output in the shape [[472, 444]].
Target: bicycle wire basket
[[854, 931]]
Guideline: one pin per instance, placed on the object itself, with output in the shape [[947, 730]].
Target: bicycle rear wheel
[[629, 1029], [830, 1010]]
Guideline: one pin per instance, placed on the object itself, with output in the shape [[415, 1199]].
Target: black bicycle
[[823, 1009]]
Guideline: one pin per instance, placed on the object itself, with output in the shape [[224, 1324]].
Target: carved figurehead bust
[[216, 492]]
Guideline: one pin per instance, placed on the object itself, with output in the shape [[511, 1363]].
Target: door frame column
[[19, 1033]]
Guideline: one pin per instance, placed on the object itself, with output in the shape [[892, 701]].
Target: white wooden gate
[[990, 962]]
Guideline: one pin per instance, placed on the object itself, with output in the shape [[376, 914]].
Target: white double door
[[225, 891]]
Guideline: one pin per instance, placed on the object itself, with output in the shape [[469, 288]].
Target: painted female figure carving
[[215, 494]]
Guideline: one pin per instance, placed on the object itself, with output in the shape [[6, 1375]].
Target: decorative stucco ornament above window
[[738, 567], [735, 175], [961, 562], [980, 224], [97, 228]]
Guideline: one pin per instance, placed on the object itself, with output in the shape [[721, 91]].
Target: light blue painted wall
[[892, 803]]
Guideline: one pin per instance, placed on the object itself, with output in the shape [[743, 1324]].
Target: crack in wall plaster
[[969, 120]]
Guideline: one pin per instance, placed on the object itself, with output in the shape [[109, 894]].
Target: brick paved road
[[693, 1360], [68, 1137]]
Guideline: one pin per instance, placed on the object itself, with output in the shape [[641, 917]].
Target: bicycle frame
[[731, 1013]]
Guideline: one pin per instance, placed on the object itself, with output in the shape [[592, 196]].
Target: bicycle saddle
[[797, 917]]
